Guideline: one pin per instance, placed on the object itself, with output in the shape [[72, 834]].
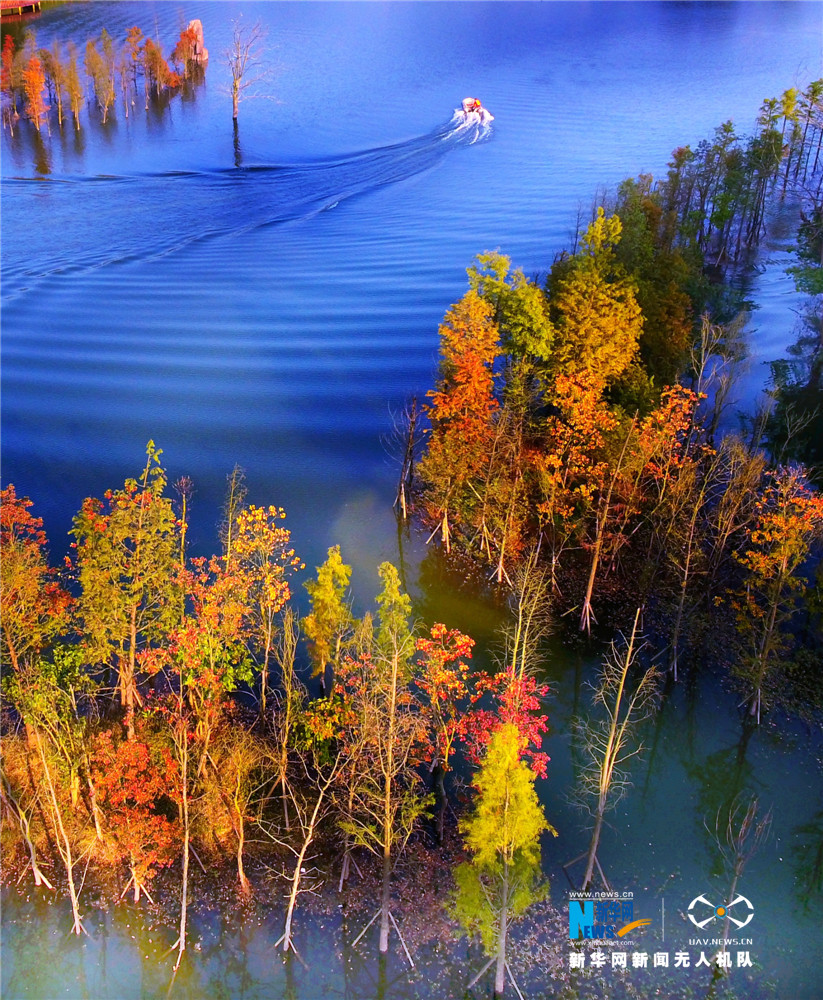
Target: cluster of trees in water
[[576, 420], [126, 745], [40, 82], [153, 707]]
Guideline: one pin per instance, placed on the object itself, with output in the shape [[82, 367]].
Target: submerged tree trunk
[[595, 843], [385, 901]]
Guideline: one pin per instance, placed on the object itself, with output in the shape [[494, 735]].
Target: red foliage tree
[[7, 82], [518, 701], [132, 778], [443, 679], [184, 50]]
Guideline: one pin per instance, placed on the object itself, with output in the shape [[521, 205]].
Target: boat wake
[[141, 217]]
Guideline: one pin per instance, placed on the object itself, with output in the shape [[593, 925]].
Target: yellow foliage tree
[[597, 318]]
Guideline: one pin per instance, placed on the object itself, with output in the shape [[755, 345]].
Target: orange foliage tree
[[8, 83], [33, 604], [183, 52], [34, 86], [461, 412], [789, 519]]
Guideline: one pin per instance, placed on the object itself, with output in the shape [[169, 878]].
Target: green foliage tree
[[387, 800], [49, 697], [330, 620], [127, 549], [503, 835], [521, 309]]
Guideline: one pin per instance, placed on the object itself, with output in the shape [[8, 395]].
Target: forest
[[164, 710]]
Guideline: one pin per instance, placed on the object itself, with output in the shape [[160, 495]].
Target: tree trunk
[[298, 869], [64, 845], [184, 891], [241, 840], [442, 801], [587, 615], [19, 814], [385, 901], [595, 843], [502, 930], [135, 881]]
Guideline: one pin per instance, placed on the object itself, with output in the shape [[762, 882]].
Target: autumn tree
[[33, 605], [322, 754], [662, 276], [443, 679], [100, 68], [156, 70], [290, 707], [521, 309], [55, 67], [208, 649], [263, 555], [571, 465], [74, 85], [594, 307], [184, 50], [503, 835], [8, 73], [34, 85], [789, 519], [330, 620], [49, 695], [133, 778], [126, 547], [513, 695], [461, 412], [236, 776], [234, 504]]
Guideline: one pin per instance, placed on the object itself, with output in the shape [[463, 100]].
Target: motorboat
[[473, 110]]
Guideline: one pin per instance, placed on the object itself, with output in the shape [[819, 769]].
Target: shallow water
[[270, 297]]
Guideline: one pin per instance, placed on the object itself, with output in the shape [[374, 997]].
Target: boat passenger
[[471, 104]]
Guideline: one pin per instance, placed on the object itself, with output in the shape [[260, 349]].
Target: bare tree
[[610, 741], [743, 835], [244, 60]]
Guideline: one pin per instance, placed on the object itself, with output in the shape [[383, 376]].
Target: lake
[[271, 298]]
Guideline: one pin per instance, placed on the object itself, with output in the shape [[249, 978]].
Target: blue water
[[271, 298]]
